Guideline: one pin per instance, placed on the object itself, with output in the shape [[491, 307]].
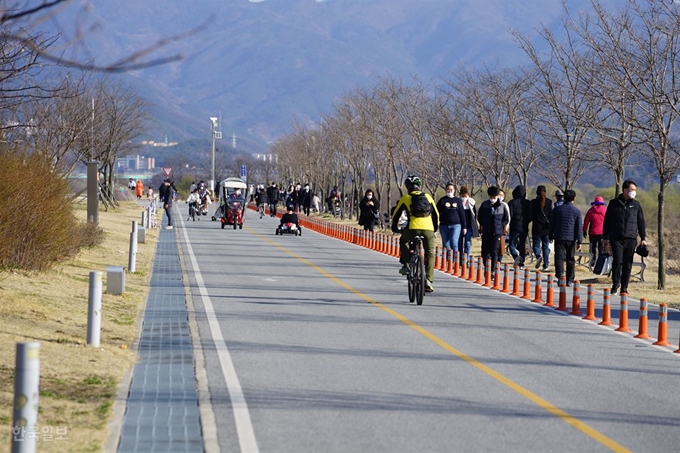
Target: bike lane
[[322, 367]]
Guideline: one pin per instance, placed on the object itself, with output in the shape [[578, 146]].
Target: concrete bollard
[[94, 309], [132, 257], [115, 280], [145, 221], [141, 235], [26, 395]]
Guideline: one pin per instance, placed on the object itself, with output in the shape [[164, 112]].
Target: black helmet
[[290, 207], [413, 182]]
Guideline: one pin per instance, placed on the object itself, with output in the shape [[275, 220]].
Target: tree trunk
[[618, 178], [661, 277]]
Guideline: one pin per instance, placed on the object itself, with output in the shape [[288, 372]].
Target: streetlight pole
[[213, 124]]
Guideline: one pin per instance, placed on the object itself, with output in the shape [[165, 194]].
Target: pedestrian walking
[[272, 198], [451, 219], [369, 211], [139, 189], [592, 227], [559, 198], [520, 216], [493, 218], [565, 229], [167, 193], [470, 221], [623, 222], [306, 199], [541, 209]]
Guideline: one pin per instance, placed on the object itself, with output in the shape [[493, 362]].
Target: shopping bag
[[603, 265]]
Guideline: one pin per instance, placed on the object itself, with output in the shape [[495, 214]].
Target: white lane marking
[[244, 425]]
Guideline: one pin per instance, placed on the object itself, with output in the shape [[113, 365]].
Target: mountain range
[[264, 64]]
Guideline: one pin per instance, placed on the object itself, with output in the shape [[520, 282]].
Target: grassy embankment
[[78, 383]]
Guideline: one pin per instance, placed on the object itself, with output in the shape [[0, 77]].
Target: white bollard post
[[94, 309], [132, 261], [26, 393], [145, 222]]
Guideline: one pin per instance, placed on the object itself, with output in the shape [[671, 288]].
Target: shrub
[[37, 223]]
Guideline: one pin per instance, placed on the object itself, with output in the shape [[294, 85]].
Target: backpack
[[420, 205]]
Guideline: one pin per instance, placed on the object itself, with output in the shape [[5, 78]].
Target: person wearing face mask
[[493, 220], [369, 210], [451, 220], [470, 221], [623, 222]]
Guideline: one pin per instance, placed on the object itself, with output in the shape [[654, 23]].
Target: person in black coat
[[166, 193], [272, 198], [623, 221], [493, 220], [369, 210], [566, 229], [541, 209], [306, 199], [520, 216]]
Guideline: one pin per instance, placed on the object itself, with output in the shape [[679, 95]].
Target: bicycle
[[192, 211], [416, 270]]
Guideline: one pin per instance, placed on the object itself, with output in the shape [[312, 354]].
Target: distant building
[[135, 163]]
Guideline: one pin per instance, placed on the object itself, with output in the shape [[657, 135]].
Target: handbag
[[603, 265], [642, 250]]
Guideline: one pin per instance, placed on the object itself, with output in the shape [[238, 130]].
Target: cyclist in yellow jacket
[[422, 221]]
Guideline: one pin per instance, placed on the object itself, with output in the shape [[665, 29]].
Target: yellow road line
[[556, 411]]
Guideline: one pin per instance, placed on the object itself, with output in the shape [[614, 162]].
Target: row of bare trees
[[605, 92]]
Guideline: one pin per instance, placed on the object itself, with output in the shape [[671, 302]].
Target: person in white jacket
[[193, 201]]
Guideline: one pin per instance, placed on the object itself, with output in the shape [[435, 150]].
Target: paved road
[[311, 345]]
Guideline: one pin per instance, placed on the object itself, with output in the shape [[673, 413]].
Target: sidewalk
[[162, 413]]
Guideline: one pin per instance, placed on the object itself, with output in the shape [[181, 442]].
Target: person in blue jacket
[[566, 230]]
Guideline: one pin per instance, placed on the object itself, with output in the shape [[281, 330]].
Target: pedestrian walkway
[[162, 413]]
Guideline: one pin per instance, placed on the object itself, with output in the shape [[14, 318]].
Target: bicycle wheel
[[419, 279], [411, 279]]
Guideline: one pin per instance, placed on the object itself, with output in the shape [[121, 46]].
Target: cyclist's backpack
[[420, 205]]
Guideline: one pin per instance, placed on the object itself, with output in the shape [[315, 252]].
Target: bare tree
[[567, 110], [118, 115], [54, 125], [642, 43]]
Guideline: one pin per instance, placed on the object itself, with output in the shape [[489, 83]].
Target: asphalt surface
[[310, 345]]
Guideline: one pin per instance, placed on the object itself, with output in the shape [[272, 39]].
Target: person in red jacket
[[592, 226]]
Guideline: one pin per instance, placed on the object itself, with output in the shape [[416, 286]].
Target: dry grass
[[78, 383]]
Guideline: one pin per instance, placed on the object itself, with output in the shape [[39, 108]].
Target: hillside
[[266, 63]]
